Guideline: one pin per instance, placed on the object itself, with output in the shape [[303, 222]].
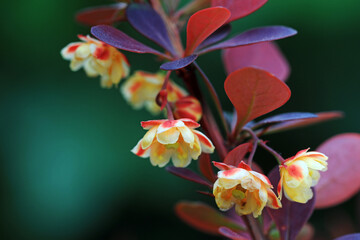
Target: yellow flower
[[248, 190], [97, 59], [172, 139], [141, 89], [299, 173]]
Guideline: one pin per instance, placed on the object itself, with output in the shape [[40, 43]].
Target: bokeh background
[[66, 171]]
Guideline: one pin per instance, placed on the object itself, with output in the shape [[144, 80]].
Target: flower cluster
[[97, 59], [172, 139]]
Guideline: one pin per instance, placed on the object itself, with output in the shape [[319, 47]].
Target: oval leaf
[[342, 176], [179, 63], [254, 92], [227, 232], [206, 168], [256, 35], [217, 36], [204, 218], [188, 175], [118, 39], [284, 117], [292, 216], [148, 22], [321, 117], [354, 236], [239, 8], [107, 14], [237, 154], [266, 56], [202, 24]]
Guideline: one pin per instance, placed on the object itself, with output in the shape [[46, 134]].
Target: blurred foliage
[[66, 171]]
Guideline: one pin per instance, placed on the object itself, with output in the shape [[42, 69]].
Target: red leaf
[[205, 167], [321, 117], [266, 56], [237, 154], [239, 8], [342, 180], [202, 24], [255, 92], [106, 14], [204, 218]]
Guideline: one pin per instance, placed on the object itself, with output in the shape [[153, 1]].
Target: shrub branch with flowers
[[276, 206]]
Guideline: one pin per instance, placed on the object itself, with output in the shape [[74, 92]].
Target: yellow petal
[[148, 137], [170, 136], [159, 154]]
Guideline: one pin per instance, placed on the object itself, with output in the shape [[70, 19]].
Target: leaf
[[236, 155], [106, 14], [239, 8], [342, 179], [202, 24], [266, 56], [284, 117], [118, 39], [148, 22], [321, 117], [354, 236], [292, 216], [217, 36], [205, 167], [254, 92], [204, 218], [179, 63], [227, 232], [188, 175], [256, 35]]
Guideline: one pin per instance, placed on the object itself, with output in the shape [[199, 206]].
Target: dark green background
[[66, 171]]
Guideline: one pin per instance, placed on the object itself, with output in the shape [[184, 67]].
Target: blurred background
[[66, 171]]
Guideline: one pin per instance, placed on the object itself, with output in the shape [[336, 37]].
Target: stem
[[214, 96], [278, 157], [208, 122], [254, 227], [169, 112]]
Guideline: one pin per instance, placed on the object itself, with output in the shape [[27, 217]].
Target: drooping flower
[[98, 59], [141, 89], [172, 139], [248, 190], [299, 173], [188, 107]]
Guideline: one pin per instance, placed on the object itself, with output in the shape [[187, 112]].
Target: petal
[[159, 154], [195, 150], [76, 64], [166, 125], [296, 173], [83, 51], [148, 138], [262, 177], [170, 136], [187, 135], [315, 176], [181, 156], [223, 197], [206, 144], [69, 51], [315, 163], [272, 200], [151, 123], [189, 123], [138, 150], [88, 68]]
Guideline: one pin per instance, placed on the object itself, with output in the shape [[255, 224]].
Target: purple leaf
[[148, 22], [354, 236], [284, 117], [217, 36], [256, 35], [179, 63], [118, 39], [188, 175], [266, 56], [292, 216], [227, 232]]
